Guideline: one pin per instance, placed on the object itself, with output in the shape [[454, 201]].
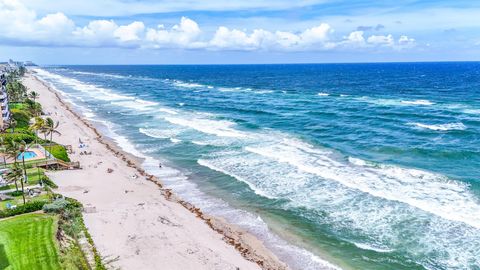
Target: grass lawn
[[27, 242], [18, 200], [34, 175]]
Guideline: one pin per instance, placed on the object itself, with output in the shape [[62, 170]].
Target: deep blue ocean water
[[361, 166]]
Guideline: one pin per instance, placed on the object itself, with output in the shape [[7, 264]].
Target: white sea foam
[[133, 104], [183, 84], [247, 90], [252, 187], [101, 93], [472, 111], [127, 146], [357, 161], [92, 90], [175, 140], [417, 102], [215, 127], [89, 114], [263, 91], [169, 111], [372, 199], [429, 192], [395, 102], [227, 89], [159, 133], [199, 143], [370, 247], [101, 74], [146, 102], [440, 127], [323, 94]]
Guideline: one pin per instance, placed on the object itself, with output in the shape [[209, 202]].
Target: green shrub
[[57, 206], [15, 193], [22, 131], [18, 137], [5, 187], [16, 105], [31, 206], [22, 117], [48, 182], [59, 152], [74, 203], [72, 224]]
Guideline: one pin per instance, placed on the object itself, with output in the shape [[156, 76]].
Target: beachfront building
[[4, 102]]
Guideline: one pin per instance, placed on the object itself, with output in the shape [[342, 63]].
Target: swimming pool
[[27, 155]]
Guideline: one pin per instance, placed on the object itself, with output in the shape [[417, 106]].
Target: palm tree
[[44, 131], [21, 71], [12, 124], [52, 128], [23, 147], [13, 150], [16, 91], [14, 175], [34, 106], [33, 95], [38, 125]]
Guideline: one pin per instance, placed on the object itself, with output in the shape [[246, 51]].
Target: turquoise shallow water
[[362, 166]]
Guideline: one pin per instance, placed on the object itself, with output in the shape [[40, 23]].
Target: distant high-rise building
[[4, 102]]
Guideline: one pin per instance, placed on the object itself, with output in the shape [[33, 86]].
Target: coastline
[[225, 241]]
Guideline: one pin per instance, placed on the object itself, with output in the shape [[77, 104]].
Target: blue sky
[[238, 31]]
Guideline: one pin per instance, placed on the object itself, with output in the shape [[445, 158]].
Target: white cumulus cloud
[[381, 40], [312, 38], [22, 26], [130, 32], [406, 42], [95, 33], [184, 35], [355, 38]]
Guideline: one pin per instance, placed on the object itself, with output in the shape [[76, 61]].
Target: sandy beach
[[131, 217]]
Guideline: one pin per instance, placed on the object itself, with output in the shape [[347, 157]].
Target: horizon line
[[260, 64]]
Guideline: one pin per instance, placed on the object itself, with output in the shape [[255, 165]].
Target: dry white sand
[[131, 220]]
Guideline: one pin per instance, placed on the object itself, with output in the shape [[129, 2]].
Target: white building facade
[[4, 102]]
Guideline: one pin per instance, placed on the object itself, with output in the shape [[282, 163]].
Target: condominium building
[[4, 102]]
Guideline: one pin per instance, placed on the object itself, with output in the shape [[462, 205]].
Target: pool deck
[[38, 152]]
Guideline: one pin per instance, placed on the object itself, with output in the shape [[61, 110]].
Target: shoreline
[[247, 245]]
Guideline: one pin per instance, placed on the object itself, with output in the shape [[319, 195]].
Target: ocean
[[351, 166]]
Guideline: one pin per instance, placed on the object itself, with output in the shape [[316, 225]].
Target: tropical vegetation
[[54, 237]]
